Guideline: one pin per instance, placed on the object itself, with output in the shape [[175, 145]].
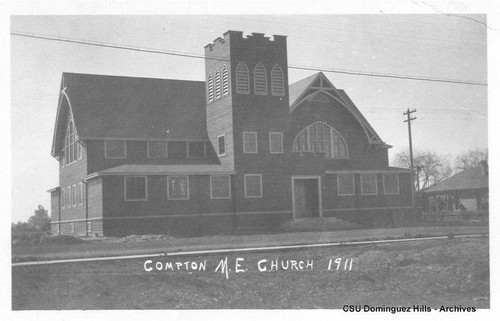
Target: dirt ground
[[434, 273]]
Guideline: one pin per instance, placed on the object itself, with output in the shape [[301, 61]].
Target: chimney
[[484, 167]]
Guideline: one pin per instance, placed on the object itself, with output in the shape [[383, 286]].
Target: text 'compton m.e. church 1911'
[[242, 151]]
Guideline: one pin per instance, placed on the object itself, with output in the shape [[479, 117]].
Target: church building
[[243, 150]]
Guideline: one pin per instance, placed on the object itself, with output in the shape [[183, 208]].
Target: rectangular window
[[196, 149], [220, 186], [157, 150], [253, 185], [221, 145], [368, 184], [391, 184], [136, 188], [72, 228], [81, 194], [275, 143], [78, 194], [249, 142], [68, 196], [63, 200], [89, 228], [345, 184], [80, 151], [73, 195], [115, 149], [178, 187]]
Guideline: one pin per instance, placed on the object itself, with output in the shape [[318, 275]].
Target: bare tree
[[469, 159], [429, 167]]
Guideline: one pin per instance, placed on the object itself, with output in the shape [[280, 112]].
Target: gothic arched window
[[277, 81], [260, 80], [210, 87], [320, 138], [242, 79], [225, 81], [217, 84]]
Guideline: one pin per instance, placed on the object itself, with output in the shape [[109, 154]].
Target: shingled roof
[[473, 178], [130, 107]]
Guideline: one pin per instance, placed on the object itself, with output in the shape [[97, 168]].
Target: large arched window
[[217, 84], [260, 80], [72, 150], [225, 81], [210, 87], [242, 79], [320, 138], [277, 81]]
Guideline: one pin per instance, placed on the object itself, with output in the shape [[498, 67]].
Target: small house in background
[[465, 191], [242, 150]]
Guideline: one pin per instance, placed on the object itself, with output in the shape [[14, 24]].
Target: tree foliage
[[41, 219], [429, 167], [470, 159]]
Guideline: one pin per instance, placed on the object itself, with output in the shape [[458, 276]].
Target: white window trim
[[166, 150], [225, 145], [309, 145], [281, 142], [220, 198], [397, 179], [353, 186], [113, 157], [89, 224], [376, 184], [68, 197], [80, 146], [204, 150], [256, 143], [125, 189], [245, 185], [74, 195], [168, 188]]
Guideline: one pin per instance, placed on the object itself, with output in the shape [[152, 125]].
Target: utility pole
[[408, 120]]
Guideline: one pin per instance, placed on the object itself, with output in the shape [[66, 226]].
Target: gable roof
[[306, 88], [472, 178], [115, 107]]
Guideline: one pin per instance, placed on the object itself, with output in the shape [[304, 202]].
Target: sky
[[451, 118]]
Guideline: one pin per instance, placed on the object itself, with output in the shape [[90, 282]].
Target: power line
[[198, 56]]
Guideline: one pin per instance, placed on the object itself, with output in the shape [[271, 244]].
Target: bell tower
[[246, 91]]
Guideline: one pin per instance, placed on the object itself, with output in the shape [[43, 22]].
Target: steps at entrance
[[317, 224]]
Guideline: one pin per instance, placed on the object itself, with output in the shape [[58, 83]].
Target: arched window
[[217, 84], [320, 138], [260, 80], [277, 81], [242, 79], [210, 87], [71, 149], [225, 81]]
